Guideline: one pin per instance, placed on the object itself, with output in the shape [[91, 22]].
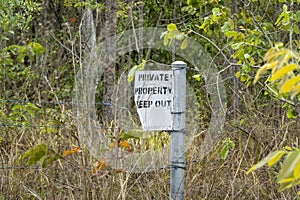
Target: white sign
[[153, 96]]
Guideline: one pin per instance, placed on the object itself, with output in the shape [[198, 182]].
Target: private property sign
[[153, 96]]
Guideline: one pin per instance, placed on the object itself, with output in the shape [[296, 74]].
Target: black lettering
[[157, 103], [144, 104], [169, 102], [166, 77]]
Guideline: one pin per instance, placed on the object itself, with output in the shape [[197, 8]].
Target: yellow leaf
[[288, 148], [270, 156], [297, 170], [172, 27], [273, 54], [296, 55], [101, 165], [287, 180], [284, 186], [184, 44], [112, 145], [123, 144], [75, 150], [263, 69], [166, 40], [272, 161], [288, 165], [289, 84], [295, 91], [283, 71]]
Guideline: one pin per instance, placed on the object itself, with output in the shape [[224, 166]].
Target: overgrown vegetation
[[42, 48]]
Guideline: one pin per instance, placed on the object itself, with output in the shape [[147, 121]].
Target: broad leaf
[[172, 27], [135, 68], [289, 84], [271, 54], [272, 157], [36, 154], [135, 133], [72, 151], [276, 157], [297, 170], [224, 151], [166, 40], [289, 165], [231, 34], [184, 44], [295, 91], [283, 71], [263, 69], [1, 113], [285, 186], [197, 77], [37, 47], [287, 180]]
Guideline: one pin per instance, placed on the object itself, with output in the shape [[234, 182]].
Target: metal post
[[177, 165]]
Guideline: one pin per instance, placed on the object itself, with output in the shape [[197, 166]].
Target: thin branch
[[210, 41]]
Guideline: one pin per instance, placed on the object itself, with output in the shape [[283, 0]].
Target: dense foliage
[[43, 45]]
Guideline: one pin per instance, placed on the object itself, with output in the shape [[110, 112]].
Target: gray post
[[177, 165]]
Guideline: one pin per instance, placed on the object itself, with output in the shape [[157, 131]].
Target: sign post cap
[[178, 63]]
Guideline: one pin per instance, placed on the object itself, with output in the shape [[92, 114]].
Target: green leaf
[[289, 165], [291, 114], [32, 106], [279, 19], [50, 159], [236, 46], [227, 143], [17, 107], [231, 34], [135, 68], [284, 7], [224, 151], [285, 185], [197, 77], [265, 160], [216, 11], [180, 36], [225, 28], [1, 113], [192, 3], [135, 133], [172, 27], [35, 155], [296, 28], [37, 47], [184, 44], [166, 40], [297, 16]]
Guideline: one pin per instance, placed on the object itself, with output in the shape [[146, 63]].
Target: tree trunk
[[109, 60], [234, 70]]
